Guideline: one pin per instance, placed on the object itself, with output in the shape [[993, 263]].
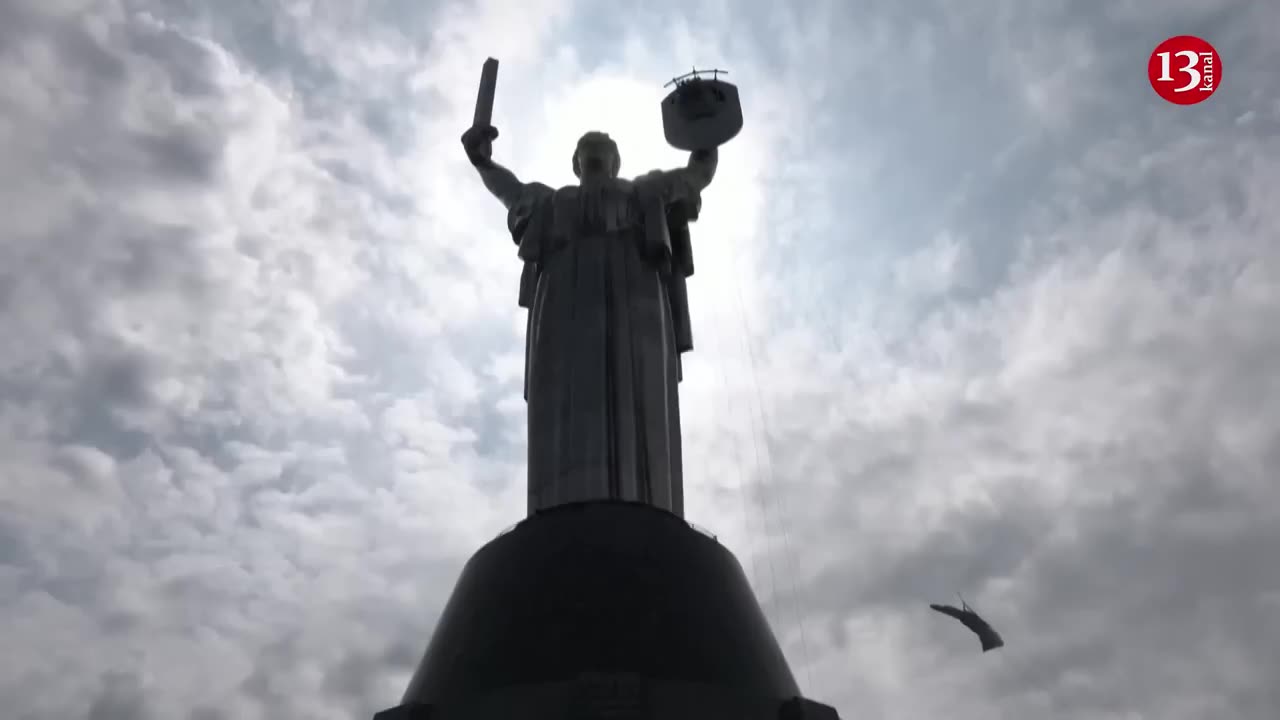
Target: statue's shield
[[701, 114]]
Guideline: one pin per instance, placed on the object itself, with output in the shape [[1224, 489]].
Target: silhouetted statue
[[605, 263], [986, 634]]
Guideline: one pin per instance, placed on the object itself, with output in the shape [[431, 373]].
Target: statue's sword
[[484, 99]]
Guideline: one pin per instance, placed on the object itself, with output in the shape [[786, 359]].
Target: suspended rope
[[761, 501], [767, 468], [717, 356]]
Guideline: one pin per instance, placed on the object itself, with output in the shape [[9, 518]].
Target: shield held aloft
[[701, 114]]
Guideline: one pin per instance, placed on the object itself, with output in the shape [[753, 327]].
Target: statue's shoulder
[[533, 195], [649, 178], [668, 186], [532, 199], [618, 183], [652, 184]]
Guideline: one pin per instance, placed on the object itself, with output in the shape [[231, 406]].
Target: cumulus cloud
[[975, 312]]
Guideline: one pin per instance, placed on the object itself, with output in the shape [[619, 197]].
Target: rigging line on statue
[[765, 504], [744, 484], [772, 480], [735, 451], [761, 499], [831, 324]]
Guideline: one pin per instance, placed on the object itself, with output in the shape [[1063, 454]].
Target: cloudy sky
[[975, 312]]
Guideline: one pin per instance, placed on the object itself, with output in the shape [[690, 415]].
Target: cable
[[763, 430], [737, 459]]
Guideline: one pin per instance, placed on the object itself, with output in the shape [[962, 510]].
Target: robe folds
[[604, 278]]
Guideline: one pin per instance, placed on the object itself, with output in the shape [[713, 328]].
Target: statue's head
[[596, 154]]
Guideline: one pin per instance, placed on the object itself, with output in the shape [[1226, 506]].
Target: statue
[[605, 608], [605, 267]]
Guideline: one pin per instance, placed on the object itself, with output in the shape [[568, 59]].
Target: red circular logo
[[1184, 70]]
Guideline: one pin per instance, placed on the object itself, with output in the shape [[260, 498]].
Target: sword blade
[[484, 98]]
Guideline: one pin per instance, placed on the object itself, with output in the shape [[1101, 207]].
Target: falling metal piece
[[986, 634]]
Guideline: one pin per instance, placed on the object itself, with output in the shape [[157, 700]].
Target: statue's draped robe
[[604, 284]]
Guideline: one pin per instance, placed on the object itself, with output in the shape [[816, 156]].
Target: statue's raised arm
[[699, 115], [701, 169], [477, 141]]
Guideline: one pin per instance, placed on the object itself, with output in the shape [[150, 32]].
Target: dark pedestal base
[[603, 610]]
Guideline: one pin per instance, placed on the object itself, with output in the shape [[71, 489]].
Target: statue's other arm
[[701, 169], [687, 183]]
